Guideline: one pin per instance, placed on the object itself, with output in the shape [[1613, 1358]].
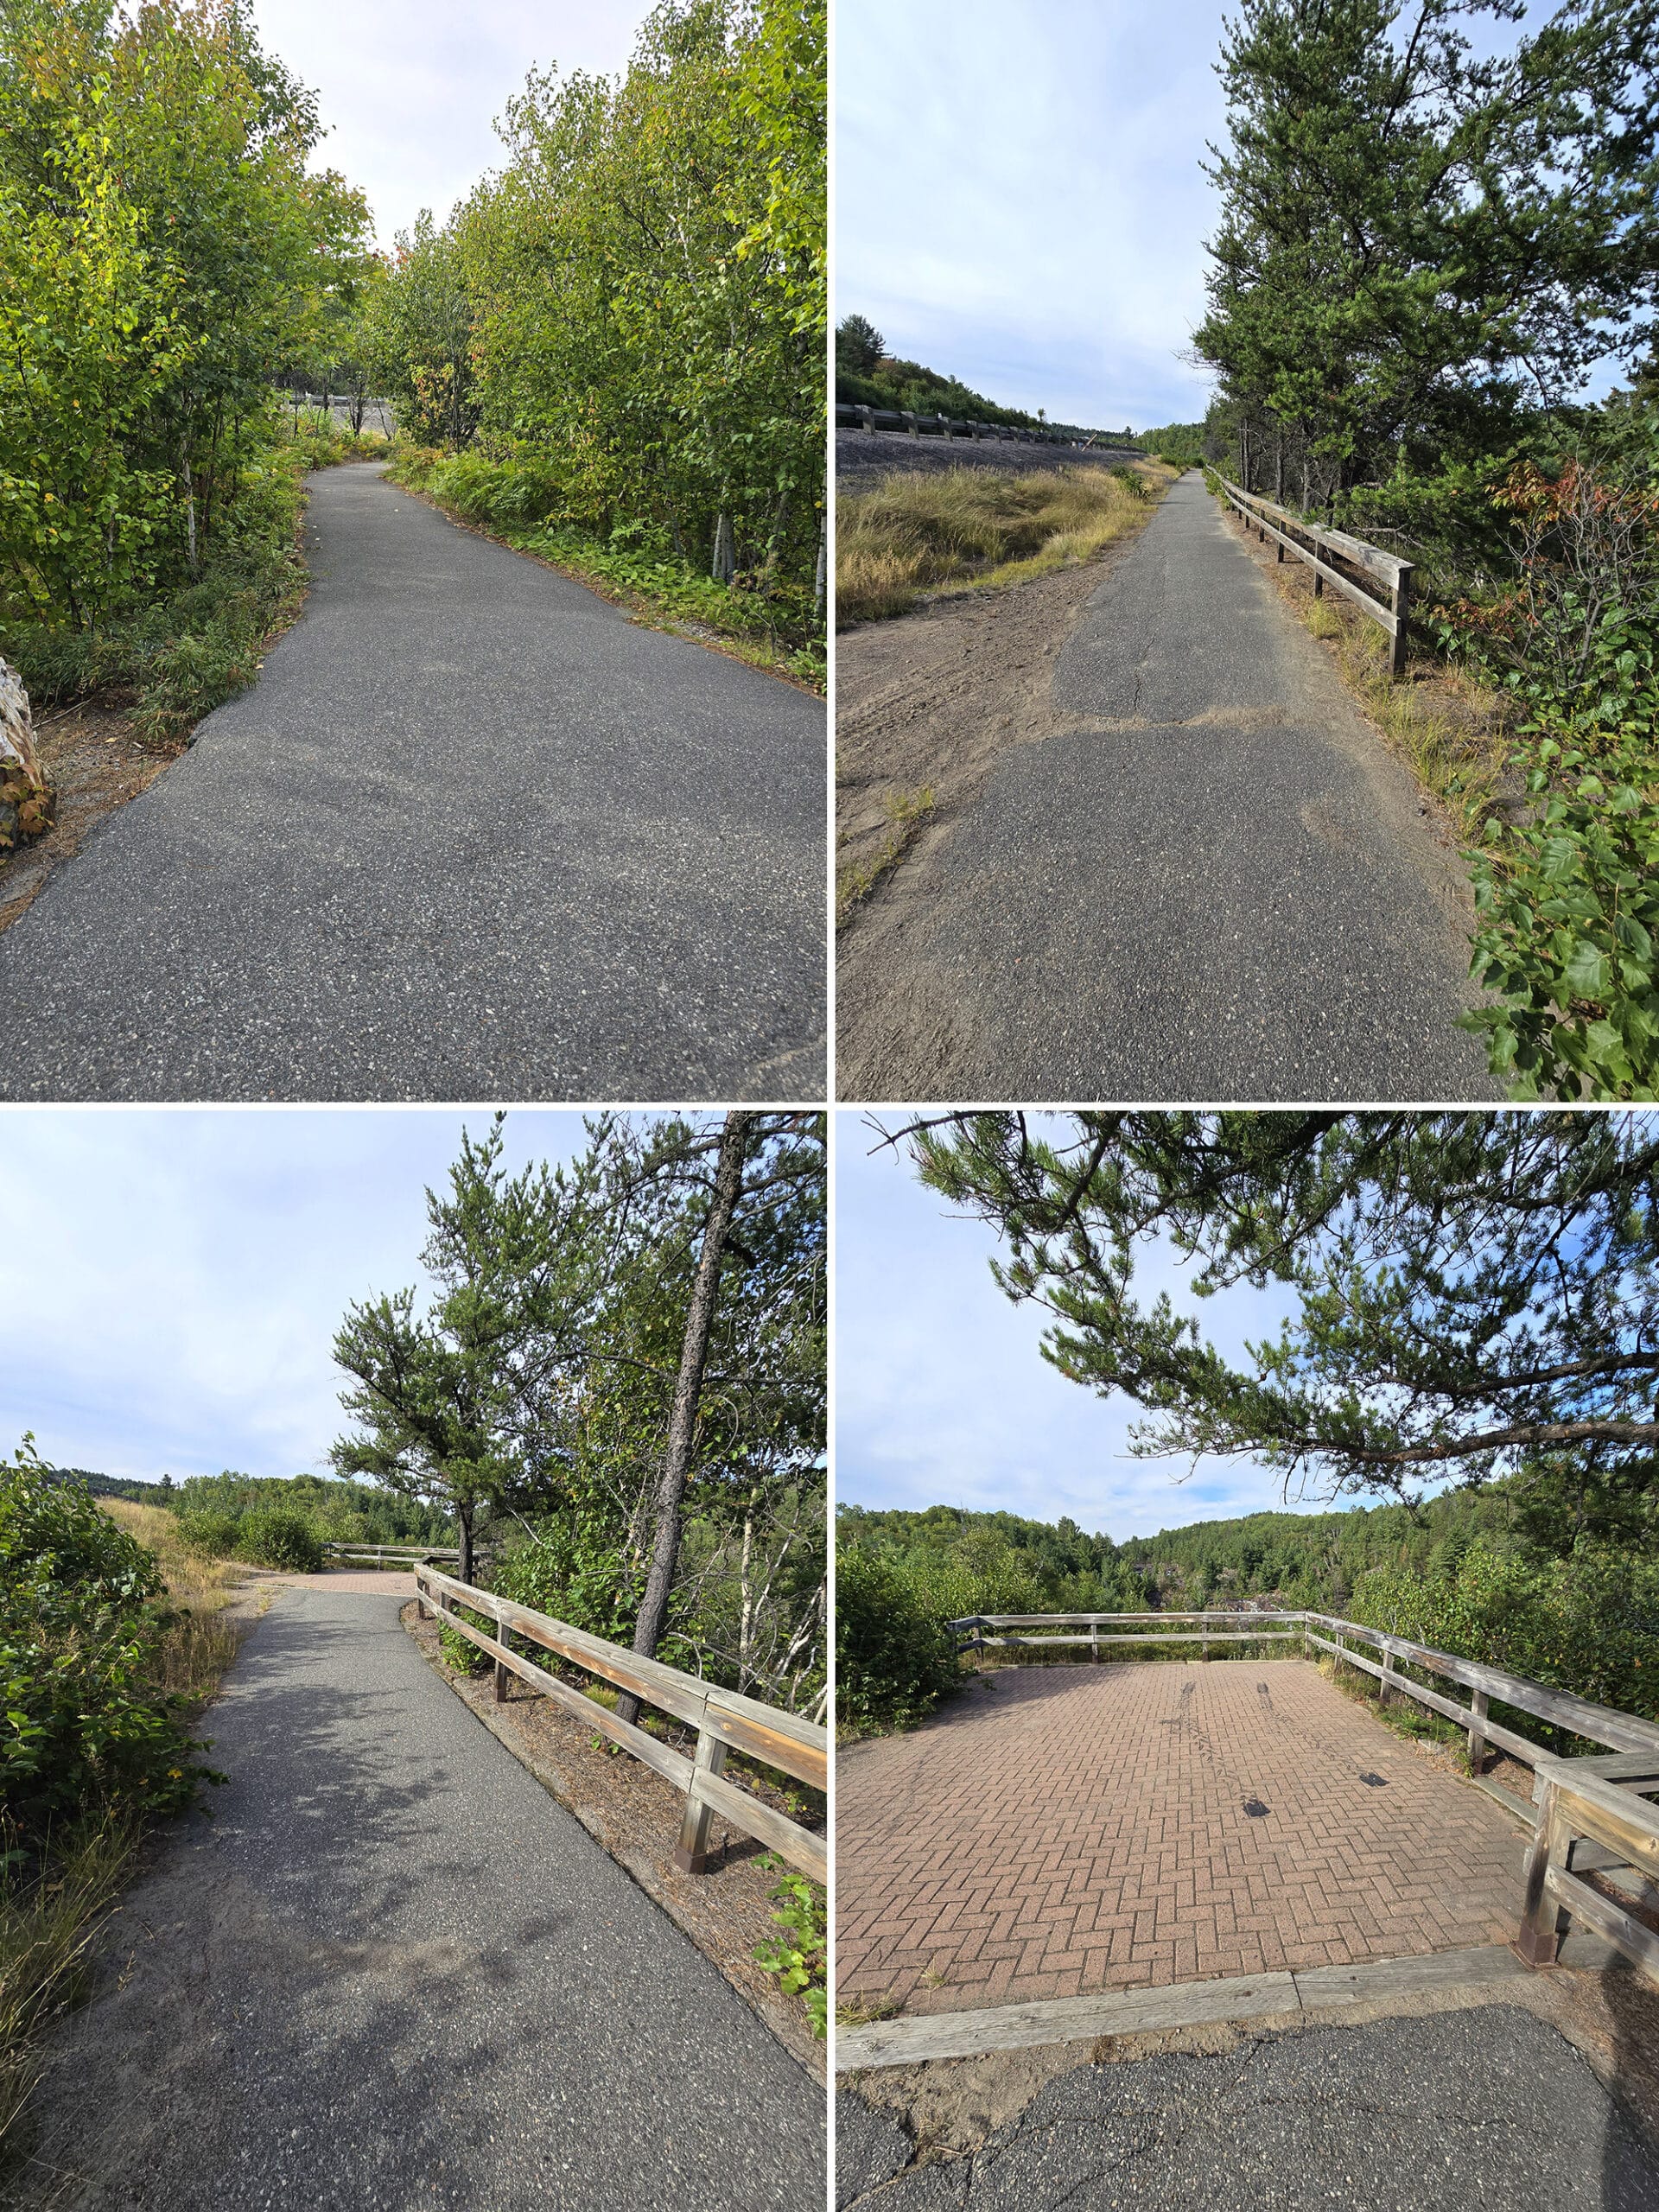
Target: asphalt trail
[[1212, 882], [391, 1971], [472, 834], [1481, 2111]]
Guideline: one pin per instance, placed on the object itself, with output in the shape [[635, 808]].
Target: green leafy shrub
[[271, 1536], [461, 1653], [895, 1658], [83, 1727], [1587, 1622], [1568, 906], [800, 1955], [215, 1534]]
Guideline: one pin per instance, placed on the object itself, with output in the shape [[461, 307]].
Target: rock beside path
[[27, 799]]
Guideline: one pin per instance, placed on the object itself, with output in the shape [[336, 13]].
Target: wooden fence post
[[1401, 600], [691, 1852], [1476, 1741], [1385, 1688], [1541, 1917], [503, 1675]]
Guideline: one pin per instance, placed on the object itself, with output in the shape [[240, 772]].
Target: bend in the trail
[[473, 834], [393, 1971]]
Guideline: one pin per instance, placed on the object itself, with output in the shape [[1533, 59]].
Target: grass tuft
[[49, 1925], [975, 527], [905, 812]]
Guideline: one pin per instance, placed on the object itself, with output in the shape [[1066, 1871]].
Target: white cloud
[[1020, 200], [410, 94], [172, 1279], [942, 1396]]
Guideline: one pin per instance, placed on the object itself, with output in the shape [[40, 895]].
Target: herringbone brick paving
[[1062, 1830]]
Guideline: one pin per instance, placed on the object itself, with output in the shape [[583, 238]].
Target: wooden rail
[[1392, 610], [724, 1721], [1589, 1820], [400, 1554], [904, 423], [1589, 1817]]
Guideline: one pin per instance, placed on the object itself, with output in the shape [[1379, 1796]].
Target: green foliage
[[907, 387], [895, 1658], [1470, 1294], [164, 249], [1414, 236], [1567, 903], [859, 347], [534, 1392], [84, 1729], [216, 1534], [632, 311], [269, 1536], [1587, 1622], [520, 500], [800, 1955]]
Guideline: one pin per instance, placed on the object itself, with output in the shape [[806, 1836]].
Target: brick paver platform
[[1062, 1830]]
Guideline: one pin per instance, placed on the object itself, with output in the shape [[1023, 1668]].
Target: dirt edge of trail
[[634, 1815], [932, 701], [949, 2106]]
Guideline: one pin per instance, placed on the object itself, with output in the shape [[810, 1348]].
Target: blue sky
[[941, 1396], [410, 91], [1019, 200], [1018, 196], [171, 1280]]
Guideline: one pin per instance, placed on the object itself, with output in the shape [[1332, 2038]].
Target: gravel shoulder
[[391, 1971], [1182, 866], [475, 834]]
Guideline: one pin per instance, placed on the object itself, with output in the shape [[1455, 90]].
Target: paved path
[[393, 1971], [1058, 1831], [1486, 2111], [472, 834], [1212, 882]]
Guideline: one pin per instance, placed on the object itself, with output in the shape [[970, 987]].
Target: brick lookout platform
[[1062, 1830]]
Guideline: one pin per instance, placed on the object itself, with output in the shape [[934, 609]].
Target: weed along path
[[393, 1971], [1187, 868], [475, 834]]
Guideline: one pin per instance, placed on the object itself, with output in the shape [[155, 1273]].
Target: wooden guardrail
[[1588, 1817], [724, 1721], [1589, 1820], [906, 423], [1390, 604], [399, 1554]]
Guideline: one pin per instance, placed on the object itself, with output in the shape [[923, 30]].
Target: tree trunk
[[688, 1388], [464, 1515]]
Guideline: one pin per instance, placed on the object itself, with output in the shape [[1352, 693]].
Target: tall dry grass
[[202, 1642], [48, 1928], [976, 526]]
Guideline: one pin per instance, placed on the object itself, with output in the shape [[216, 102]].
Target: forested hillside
[[1424, 256], [613, 350], [1469, 1343]]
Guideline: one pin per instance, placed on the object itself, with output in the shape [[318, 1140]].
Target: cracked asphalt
[[1489, 2110], [472, 834], [1210, 880], [391, 1971]]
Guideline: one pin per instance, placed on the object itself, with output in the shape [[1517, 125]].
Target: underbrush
[[50, 1916], [107, 1648], [977, 527], [204, 641], [763, 619]]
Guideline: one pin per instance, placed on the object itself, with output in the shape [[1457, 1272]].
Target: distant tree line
[[1474, 1301]]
